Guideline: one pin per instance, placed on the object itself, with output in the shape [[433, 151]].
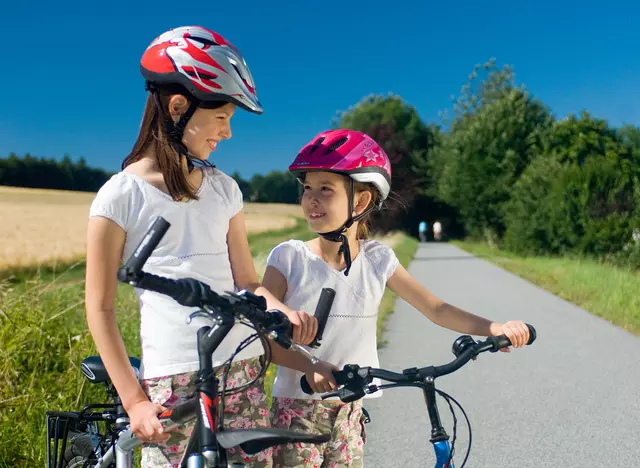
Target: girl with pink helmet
[[346, 175]]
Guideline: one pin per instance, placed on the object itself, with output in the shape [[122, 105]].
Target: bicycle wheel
[[79, 452]]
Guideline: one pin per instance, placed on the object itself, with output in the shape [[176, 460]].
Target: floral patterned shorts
[[344, 421], [245, 410]]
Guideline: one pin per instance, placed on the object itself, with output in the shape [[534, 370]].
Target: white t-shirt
[[350, 333], [194, 246]]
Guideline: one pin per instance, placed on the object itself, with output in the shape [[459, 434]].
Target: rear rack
[[61, 425]]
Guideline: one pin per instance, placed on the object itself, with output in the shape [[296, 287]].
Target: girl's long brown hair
[[153, 134]]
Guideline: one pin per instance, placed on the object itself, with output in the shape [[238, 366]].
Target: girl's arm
[[305, 326], [449, 316], [319, 376], [105, 240]]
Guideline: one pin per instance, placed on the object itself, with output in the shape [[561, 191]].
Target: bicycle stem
[[437, 431]]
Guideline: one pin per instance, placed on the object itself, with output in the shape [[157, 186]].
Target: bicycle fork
[[439, 437]]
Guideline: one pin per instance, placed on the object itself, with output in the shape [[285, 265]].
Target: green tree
[[579, 195], [275, 187], [51, 174], [408, 142], [244, 185], [498, 129]]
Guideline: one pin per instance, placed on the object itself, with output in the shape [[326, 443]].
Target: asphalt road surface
[[572, 399]]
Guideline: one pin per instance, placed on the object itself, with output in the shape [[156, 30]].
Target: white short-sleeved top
[[194, 246], [350, 333]]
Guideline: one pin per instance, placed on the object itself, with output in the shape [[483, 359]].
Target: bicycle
[[113, 446], [357, 381]]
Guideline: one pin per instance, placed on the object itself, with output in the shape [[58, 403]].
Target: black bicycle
[[357, 381], [99, 436]]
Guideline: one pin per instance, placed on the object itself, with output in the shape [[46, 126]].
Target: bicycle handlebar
[[356, 380], [190, 292]]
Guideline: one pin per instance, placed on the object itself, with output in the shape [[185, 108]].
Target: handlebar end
[[532, 334]]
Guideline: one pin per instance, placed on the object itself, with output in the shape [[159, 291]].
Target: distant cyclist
[[437, 230], [422, 231]]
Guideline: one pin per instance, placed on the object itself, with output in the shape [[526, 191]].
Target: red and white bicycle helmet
[[355, 155], [204, 63]]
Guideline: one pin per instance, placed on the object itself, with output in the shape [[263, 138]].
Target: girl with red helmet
[[196, 79], [345, 175]]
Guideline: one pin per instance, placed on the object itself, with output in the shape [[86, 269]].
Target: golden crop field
[[42, 226]]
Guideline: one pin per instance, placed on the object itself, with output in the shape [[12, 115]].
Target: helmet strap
[[339, 234]]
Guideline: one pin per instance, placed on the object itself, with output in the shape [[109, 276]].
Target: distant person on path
[[437, 230], [346, 175], [422, 231]]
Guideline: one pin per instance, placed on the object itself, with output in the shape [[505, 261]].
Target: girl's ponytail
[[364, 225]]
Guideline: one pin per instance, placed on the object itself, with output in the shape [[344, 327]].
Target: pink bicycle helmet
[[348, 152]]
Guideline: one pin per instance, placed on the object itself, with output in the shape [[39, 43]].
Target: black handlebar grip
[[150, 241], [186, 291], [323, 308], [341, 377], [182, 413], [532, 334], [503, 342], [304, 385]]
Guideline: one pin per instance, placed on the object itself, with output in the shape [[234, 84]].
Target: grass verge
[[606, 291]]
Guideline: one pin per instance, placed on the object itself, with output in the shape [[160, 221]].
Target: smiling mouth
[[315, 216], [212, 144]]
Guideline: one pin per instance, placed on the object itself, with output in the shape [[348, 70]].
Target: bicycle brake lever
[[305, 353], [346, 394], [330, 395], [199, 313]]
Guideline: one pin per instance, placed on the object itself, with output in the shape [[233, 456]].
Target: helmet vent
[[337, 144], [202, 40], [202, 75], [316, 144]]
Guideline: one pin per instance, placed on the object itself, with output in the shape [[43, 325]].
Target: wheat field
[[44, 226]]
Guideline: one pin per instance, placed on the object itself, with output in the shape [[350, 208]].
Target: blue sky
[[71, 81]]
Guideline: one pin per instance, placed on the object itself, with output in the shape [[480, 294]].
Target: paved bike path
[[572, 399]]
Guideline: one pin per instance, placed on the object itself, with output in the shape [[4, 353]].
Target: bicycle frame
[[203, 449]]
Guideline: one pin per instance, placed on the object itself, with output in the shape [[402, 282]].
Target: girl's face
[[206, 128], [325, 201]]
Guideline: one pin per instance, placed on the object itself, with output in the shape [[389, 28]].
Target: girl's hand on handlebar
[[320, 377], [143, 417], [305, 326], [517, 332]]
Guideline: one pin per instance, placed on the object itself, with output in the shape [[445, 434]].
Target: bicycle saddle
[[253, 441], [93, 368]]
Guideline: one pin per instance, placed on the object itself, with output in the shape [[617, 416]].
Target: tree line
[[48, 173], [499, 166], [33, 172]]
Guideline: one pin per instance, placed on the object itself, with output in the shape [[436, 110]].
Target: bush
[[576, 198]]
